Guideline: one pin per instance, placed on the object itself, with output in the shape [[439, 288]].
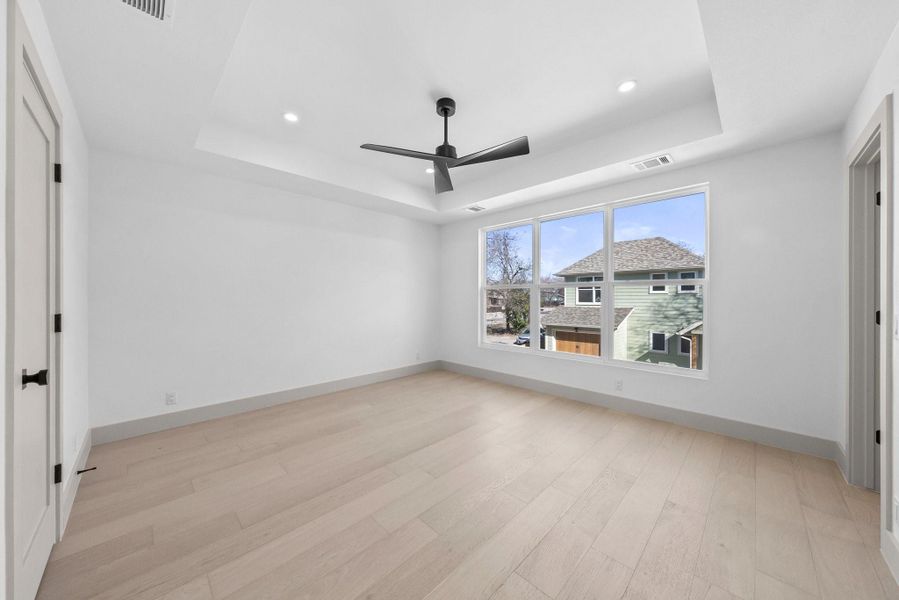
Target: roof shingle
[[650, 254], [581, 316]]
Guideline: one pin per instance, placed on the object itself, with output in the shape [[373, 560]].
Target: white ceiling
[[209, 91]]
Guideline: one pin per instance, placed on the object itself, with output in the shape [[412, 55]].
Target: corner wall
[[776, 333], [322, 291]]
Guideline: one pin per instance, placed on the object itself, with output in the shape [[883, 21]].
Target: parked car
[[524, 338]]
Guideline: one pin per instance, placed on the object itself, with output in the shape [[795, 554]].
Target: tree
[[506, 266]]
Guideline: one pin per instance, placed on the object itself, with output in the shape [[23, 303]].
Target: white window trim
[[651, 286], [596, 288], [653, 350], [680, 351], [680, 288], [607, 357]]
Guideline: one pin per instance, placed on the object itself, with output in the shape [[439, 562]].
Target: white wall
[[73, 295], [884, 80], [217, 289], [775, 345]]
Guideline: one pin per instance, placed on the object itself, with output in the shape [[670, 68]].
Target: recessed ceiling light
[[291, 117], [627, 86], [429, 170]]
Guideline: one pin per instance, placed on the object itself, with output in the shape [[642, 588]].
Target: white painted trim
[[127, 429], [788, 440], [652, 349], [875, 139], [889, 550], [71, 486]]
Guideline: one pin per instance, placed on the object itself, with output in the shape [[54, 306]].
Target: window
[[687, 289], [658, 342], [507, 297], [658, 289], [576, 283], [589, 295]]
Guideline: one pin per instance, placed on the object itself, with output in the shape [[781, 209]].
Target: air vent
[[475, 208], [158, 9], [652, 163]]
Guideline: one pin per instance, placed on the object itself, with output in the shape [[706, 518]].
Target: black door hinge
[[57, 173], [57, 473], [877, 437], [57, 323], [877, 317], [877, 198]]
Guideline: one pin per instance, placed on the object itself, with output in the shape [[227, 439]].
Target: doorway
[[870, 302], [32, 373]]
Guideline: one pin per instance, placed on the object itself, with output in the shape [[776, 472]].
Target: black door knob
[[40, 378]]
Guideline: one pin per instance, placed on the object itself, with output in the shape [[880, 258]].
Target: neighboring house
[[653, 323]]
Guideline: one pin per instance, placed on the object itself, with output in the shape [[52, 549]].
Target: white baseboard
[[787, 440], [890, 551], [71, 486], [128, 429]]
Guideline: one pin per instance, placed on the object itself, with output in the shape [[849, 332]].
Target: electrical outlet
[[418, 356], [619, 385], [170, 398]]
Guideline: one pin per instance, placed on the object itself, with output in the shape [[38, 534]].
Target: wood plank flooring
[[446, 487]]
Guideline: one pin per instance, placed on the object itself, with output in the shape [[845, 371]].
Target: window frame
[[680, 288], [652, 348], [595, 289], [607, 286], [652, 277], [680, 348]]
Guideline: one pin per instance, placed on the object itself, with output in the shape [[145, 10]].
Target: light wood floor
[[446, 487]]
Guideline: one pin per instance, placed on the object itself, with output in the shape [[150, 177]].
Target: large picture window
[[549, 286]]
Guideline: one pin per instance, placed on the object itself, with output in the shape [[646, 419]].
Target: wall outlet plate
[[170, 398]]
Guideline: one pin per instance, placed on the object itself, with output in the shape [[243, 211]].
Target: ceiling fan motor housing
[[446, 150], [446, 107]]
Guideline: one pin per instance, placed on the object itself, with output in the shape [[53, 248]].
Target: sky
[[567, 240]]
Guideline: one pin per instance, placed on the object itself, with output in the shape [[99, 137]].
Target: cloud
[[633, 232]]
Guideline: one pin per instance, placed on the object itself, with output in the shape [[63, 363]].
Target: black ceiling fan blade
[[516, 147], [400, 151], [442, 181]]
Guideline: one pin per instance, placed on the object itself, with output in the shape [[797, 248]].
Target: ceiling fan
[[445, 159]]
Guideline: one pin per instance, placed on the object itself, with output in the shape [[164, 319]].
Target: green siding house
[[653, 323]]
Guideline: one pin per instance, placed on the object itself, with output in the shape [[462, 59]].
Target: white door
[[878, 331], [34, 279]]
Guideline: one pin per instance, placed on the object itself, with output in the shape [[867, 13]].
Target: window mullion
[[607, 337], [534, 321]]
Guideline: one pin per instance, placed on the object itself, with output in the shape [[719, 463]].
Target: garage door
[[578, 343]]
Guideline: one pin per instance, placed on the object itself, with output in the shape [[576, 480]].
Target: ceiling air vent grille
[[652, 163], [154, 8], [475, 208]]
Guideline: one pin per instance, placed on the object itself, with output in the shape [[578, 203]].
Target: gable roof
[[650, 254], [581, 316]]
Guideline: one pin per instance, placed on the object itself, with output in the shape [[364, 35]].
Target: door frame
[[23, 54], [874, 143]]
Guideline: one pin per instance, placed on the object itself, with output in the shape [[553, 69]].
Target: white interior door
[[883, 329], [34, 405]]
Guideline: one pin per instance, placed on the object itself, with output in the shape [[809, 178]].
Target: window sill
[[599, 361]]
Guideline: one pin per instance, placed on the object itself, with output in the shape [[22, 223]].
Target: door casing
[[874, 144]]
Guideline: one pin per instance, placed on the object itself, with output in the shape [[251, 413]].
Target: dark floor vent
[[154, 8]]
